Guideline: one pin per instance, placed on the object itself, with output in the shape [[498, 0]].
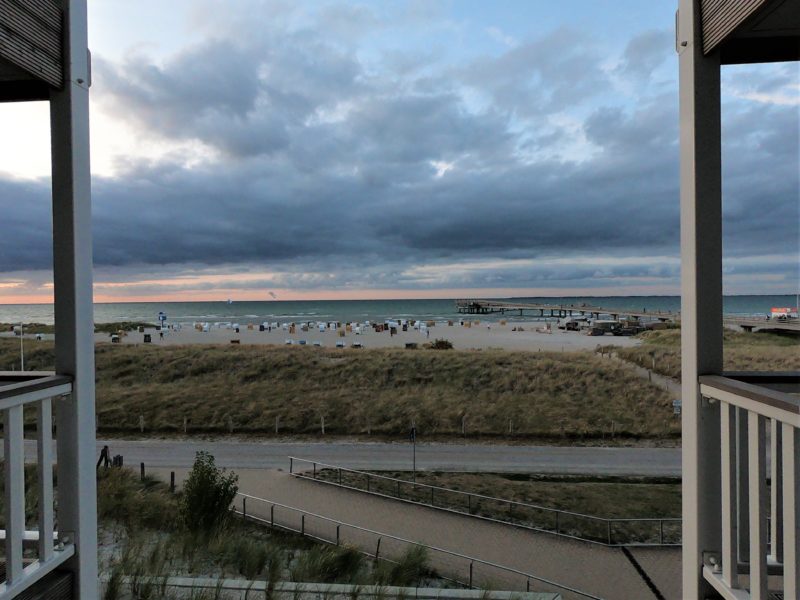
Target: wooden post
[[141, 471], [172, 482], [701, 294], [185, 428]]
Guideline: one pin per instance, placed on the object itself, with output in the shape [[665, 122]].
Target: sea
[[362, 310]]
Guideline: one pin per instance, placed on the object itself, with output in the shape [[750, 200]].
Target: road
[[396, 456]]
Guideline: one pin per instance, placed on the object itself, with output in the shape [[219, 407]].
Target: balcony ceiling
[[30, 49], [752, 31]]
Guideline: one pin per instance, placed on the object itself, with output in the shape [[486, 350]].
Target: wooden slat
[[721, 17], [44, 446], [30, 38], [776, 491], [791, 516], [730, 534], [30, 28], [14, 458], [758, 506], [47, 11]]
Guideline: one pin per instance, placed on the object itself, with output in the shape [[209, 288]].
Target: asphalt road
[[397, 456]]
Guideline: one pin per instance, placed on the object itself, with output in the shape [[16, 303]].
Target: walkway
[[604, 572], [583, 460]]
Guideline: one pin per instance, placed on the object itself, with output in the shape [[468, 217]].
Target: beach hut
[[317, 344], [322, 327], [115, 339], [357, 345], [340, 344], [288, 342]]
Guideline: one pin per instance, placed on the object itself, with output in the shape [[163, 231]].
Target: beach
[[483, 335]]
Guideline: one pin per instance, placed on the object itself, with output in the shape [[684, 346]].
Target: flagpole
[[21, 347]]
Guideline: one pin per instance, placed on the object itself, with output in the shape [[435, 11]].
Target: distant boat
[[230, 301]]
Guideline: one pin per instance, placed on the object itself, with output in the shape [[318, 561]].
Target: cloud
[[321, 166]]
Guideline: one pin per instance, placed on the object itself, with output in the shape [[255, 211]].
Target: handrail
[[608, 521], [472, 559], [39, 389], [762, 400]]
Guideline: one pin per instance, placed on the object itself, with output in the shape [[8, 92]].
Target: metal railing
[[759, 522], [17, 391], [613, 532], [457, 565]]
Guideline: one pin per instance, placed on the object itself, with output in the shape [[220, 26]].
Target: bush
[[441, 345], [207, 495]]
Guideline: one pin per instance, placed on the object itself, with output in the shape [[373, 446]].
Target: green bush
[[441, 345], [207, 495]]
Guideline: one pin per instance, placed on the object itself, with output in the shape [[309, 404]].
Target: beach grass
[[758, 351], [375, 392]]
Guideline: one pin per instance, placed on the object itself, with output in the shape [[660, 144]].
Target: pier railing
[[759, 521], [20, 391], [643, 531]]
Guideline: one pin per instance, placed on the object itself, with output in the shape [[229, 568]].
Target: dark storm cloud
[[334, 175]]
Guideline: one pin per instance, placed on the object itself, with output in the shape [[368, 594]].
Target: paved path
[[387, 456], [604, 572]]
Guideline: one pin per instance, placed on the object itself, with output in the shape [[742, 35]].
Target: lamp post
[[21, 346]]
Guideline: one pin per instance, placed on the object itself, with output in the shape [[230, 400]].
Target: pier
[[485, 307], [560, 311]]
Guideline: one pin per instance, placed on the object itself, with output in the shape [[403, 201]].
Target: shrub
[[207, 495], [441, 345]]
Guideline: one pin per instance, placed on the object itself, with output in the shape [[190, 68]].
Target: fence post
[[337, 534], [528, 585], [510, 512], [471, 563], [398, 488], [302, 524], [558, 526], [244, 507], [661, 532], [141, 471], [291, 465], [340, 476], [367, 481], [432, 490], [469, 503], [172, 482], [378, 550], [609, 531], [272, 516], [315, 470]]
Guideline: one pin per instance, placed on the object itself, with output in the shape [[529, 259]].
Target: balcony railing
[[17, 391], [759, 521]]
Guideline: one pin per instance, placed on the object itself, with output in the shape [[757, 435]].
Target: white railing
[[759, 522], [17, 391]]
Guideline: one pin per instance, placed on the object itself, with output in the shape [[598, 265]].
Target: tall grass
[[760, 351], [377, 391]]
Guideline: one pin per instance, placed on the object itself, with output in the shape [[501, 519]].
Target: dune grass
[[250, 389], [598, 496], [759, 351]]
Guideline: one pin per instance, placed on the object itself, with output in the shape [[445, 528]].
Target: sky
[[419, 149]]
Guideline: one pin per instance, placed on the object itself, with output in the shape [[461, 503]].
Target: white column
[[791, 512], [72, 273], [701, 293]]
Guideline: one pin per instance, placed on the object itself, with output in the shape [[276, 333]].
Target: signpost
[[413, 436]]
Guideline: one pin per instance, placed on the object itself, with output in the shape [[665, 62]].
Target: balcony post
[[701, 293], [72, 277]]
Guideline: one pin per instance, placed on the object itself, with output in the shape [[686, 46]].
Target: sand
[[482, 336]]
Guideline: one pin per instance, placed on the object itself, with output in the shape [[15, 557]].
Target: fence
[[19, 391], [612, 532], [459, 568]]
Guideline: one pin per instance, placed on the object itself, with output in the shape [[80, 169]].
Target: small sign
[[162, 316], [676, 407]]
